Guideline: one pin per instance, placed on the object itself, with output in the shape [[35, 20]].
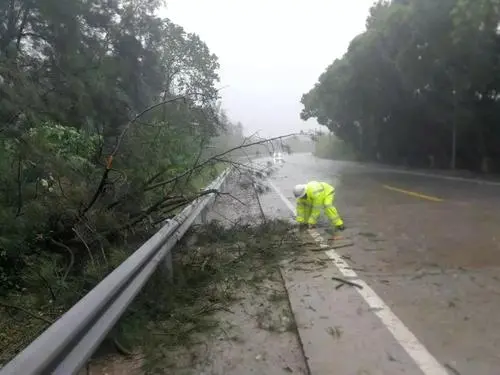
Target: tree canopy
[[419, 86], [108, 117]]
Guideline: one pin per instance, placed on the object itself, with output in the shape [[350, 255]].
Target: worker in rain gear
[[313, 196]]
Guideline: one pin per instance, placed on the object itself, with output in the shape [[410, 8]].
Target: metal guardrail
[[66, 346]]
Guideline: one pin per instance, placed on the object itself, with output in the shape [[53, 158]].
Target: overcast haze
[[271, 52]]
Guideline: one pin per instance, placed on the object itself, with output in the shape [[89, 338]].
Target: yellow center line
[[414, 194]]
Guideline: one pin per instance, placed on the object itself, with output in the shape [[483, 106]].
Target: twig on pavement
[[452, 369], [344, 282]]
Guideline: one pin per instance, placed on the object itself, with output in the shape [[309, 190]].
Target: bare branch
[[197, 160], [233, 197], [259, 203], [86, 246], [117, 147], [71, 257], [109, 161], [212, 159]]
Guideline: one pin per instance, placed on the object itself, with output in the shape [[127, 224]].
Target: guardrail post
[[224, 182], [203, 215], [169, 267]]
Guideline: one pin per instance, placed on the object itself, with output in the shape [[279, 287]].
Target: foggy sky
[[271, 52]]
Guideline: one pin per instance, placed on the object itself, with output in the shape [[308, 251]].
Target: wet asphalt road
[[428, 247]]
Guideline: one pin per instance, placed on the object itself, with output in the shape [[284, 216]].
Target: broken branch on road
[[345, 282]]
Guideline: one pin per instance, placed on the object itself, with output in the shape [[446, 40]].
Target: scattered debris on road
[[335, 332], [452, 369], [227, 311], [335, 244]]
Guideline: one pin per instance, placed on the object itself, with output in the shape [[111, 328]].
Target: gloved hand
[[340, 228]]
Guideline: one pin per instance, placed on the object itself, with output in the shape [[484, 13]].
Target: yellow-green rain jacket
[[318, 195]]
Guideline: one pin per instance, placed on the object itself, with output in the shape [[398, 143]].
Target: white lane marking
[[427, 363]]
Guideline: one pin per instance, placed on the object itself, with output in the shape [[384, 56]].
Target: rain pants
[[318, 195]]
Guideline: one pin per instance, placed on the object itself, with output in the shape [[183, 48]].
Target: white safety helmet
[[299, 191]]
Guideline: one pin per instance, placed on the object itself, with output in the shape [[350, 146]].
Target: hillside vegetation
[[108, 114]]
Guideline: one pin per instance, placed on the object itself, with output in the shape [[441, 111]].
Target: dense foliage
[[103, 105], [419, 86]]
